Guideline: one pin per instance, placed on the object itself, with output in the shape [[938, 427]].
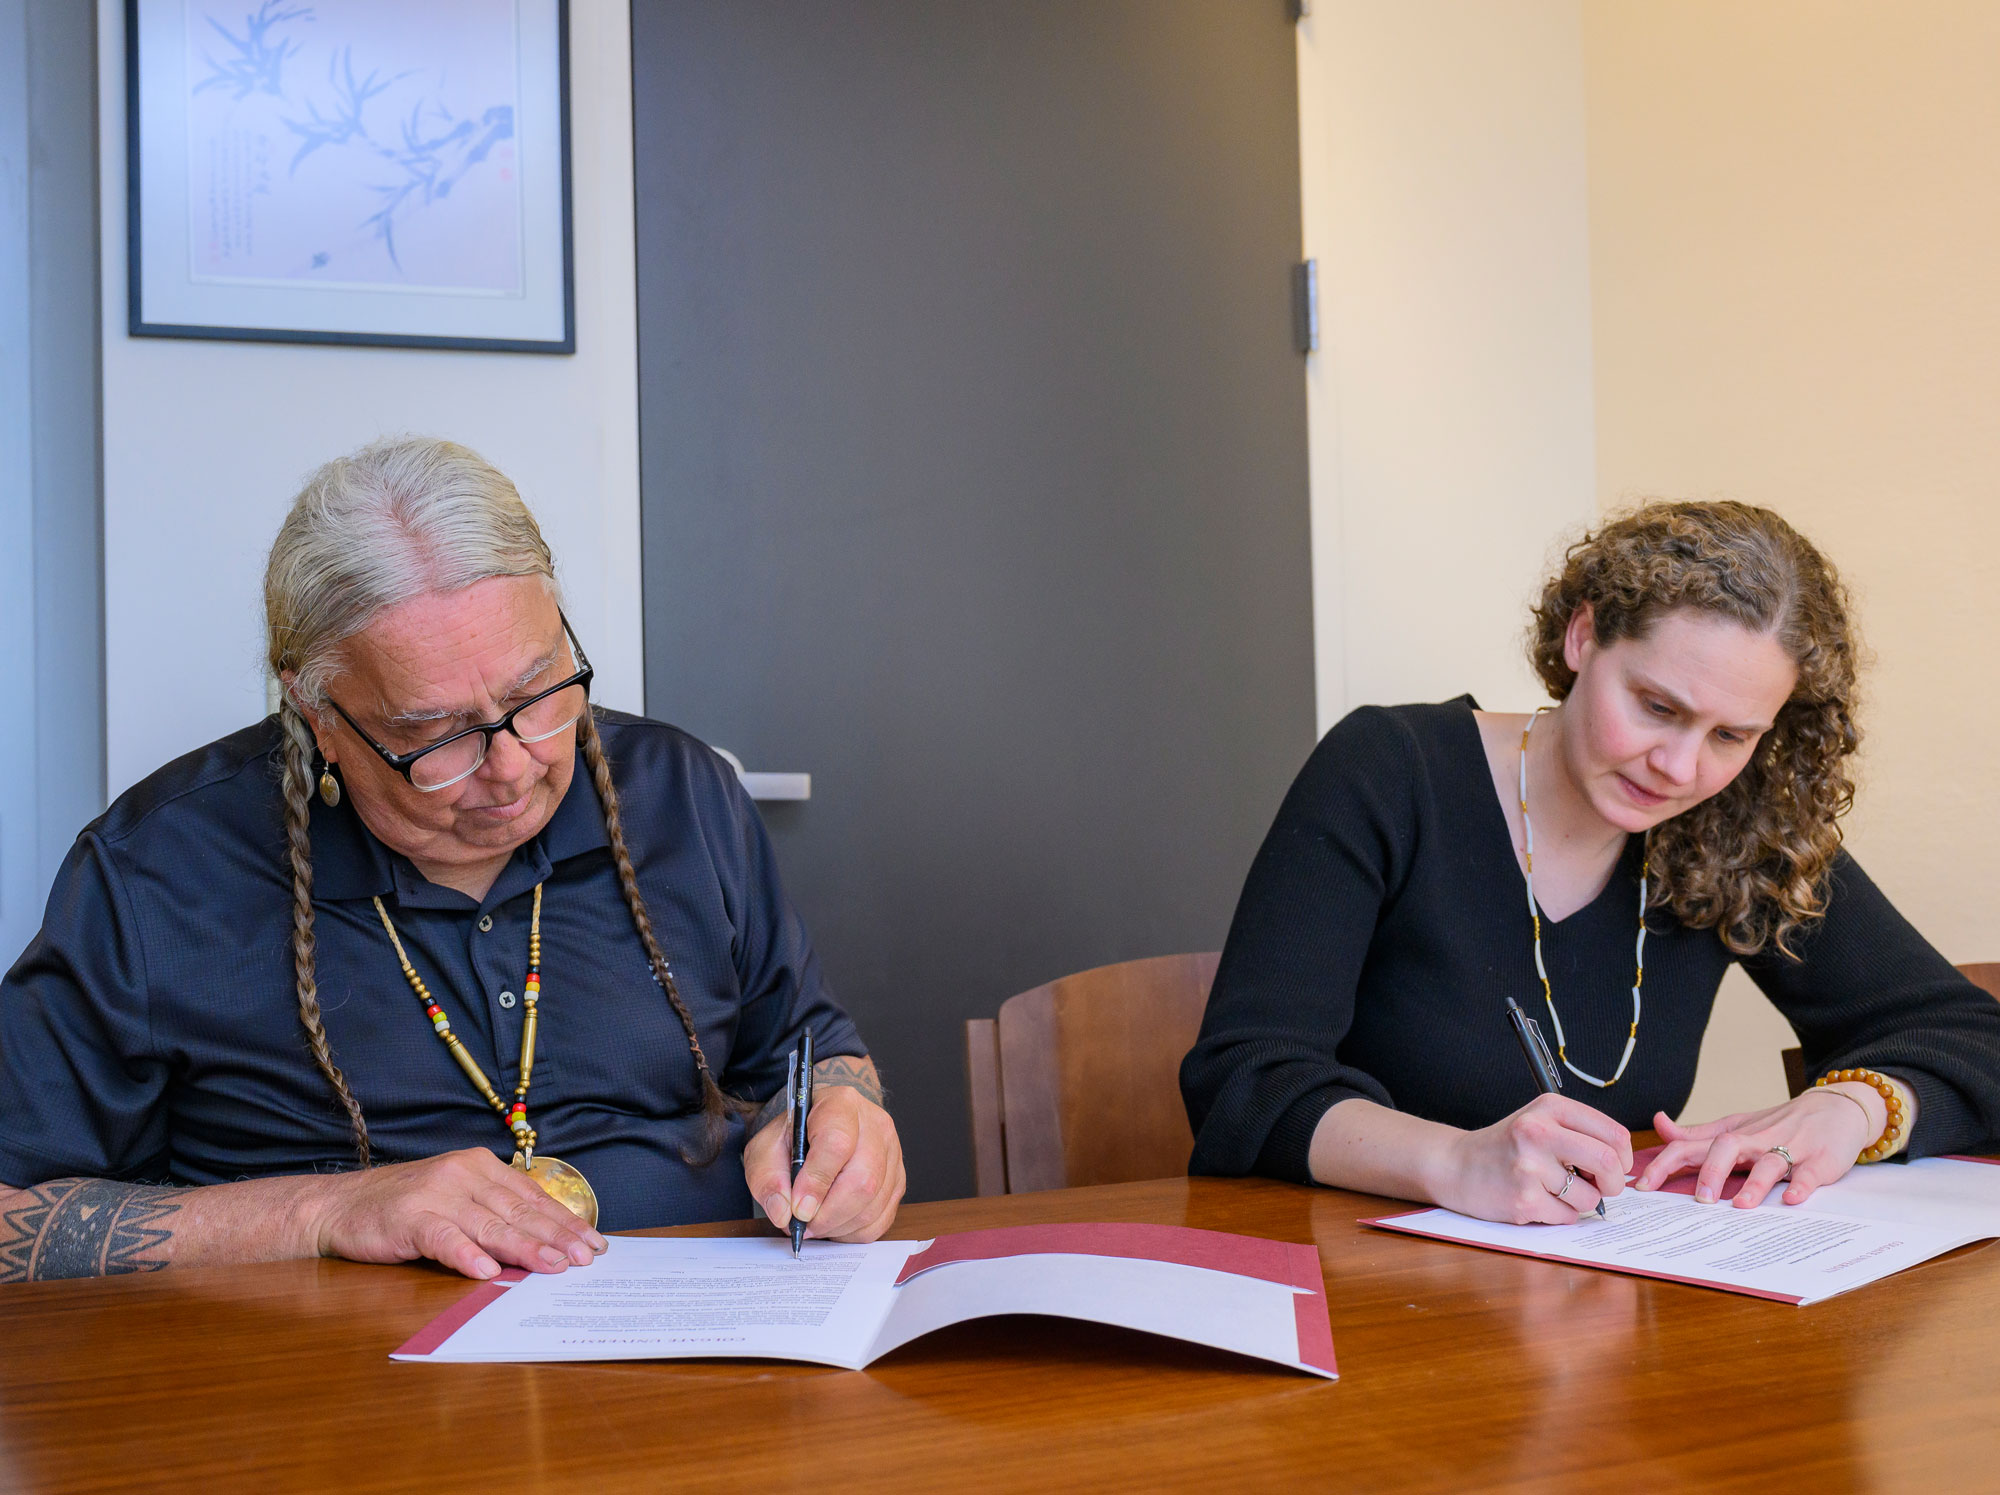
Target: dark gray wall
[[974, 472]]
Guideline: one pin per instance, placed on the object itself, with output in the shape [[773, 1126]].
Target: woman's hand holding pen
[[1518, 1171], [853, 1178], [1824, 1130]]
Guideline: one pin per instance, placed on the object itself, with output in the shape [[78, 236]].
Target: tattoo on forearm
[[856, 1074], [86, 1227]]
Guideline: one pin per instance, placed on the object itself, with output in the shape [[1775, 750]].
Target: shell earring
[[329, 787]]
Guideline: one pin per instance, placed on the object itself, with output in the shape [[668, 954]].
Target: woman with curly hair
[[1677, 809]]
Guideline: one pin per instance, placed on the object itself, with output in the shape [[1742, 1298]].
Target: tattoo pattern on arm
[[856, 1074], [85, 1227]]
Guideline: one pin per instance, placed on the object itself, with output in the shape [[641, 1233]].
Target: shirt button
[[486, 923], [506, 999]]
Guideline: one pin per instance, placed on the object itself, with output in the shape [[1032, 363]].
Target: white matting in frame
[[350, 171]]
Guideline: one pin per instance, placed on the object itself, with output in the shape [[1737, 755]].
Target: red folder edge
[[1286, 1263], [427, 1339]]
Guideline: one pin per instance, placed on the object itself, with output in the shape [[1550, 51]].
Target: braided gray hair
[[400, 518]]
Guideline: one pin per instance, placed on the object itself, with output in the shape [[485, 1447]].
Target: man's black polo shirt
[[150, 1030]]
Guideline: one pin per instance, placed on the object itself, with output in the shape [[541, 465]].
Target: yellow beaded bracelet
[[1886, 1144]]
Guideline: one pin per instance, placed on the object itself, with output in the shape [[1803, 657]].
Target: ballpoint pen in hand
[[1540, 1060], [798, 1102]]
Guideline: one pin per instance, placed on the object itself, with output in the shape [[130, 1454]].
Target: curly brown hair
[[1754, 861]]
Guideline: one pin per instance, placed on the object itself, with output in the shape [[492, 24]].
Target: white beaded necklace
[[1535, 914]]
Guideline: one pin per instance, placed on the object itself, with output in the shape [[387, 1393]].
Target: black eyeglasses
[[458, 756]]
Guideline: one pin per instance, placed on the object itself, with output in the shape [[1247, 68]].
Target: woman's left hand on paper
[[853, 1178], [1824, 1133]]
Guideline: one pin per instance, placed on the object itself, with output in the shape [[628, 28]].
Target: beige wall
[[1576, 252], [1442, 151], [1794, 210]]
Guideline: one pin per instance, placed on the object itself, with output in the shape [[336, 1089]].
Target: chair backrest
[[1985, 976], [1078, 1082]]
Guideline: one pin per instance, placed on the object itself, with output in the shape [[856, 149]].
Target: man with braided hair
[[309, 989]]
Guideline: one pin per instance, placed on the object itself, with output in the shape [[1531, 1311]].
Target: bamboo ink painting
[[350, 171], [307, 163]]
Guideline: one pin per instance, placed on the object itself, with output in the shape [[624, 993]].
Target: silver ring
[[1570, 1179], [1780, 1151]]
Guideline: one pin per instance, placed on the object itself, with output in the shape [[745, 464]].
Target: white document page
[[652, 1298], [1954, 1193], [648, 1297], [1246, 1315], [1876, 1222]]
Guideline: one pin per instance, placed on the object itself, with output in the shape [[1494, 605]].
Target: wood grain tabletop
[[1460, 1370]]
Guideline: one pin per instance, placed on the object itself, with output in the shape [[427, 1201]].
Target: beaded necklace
[[557, 1178], [1535, 914]]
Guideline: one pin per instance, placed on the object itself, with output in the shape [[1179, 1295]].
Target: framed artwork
[[390, 172]]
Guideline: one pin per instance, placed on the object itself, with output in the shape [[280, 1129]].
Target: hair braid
[[716, 1107], [298, 809]]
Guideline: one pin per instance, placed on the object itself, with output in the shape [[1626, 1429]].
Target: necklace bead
[[1535, 918], [553, 1176], [514, 1117]]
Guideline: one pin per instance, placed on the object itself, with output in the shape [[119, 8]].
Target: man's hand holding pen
[[853, 1176]]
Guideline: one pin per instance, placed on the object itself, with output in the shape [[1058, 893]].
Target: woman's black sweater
[[1384, 924]]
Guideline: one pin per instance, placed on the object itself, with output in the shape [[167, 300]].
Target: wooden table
[[1460, 1369]]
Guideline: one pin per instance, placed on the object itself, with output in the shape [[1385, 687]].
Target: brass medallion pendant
[[561, 1183]]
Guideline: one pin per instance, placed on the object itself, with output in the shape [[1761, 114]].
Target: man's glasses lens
[[537, 722], [548, 716], [448, 764]]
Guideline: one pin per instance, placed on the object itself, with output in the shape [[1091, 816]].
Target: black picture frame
[[137, 324]]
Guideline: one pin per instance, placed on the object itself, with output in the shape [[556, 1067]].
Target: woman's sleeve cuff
[[1287, 1152], [1945, 1123]]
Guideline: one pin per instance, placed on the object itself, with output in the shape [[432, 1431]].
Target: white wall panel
[[206, 442], [1443, 152]]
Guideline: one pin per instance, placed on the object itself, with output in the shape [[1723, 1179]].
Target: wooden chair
[[1078, 1082], [1985, 976]]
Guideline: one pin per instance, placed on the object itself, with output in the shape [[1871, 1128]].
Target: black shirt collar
[[350, 863]]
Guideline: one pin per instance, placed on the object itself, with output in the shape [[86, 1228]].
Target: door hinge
[[1305, 306]]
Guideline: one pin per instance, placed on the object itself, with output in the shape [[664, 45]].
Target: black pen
[[1547, 1080], [799, 1101]]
